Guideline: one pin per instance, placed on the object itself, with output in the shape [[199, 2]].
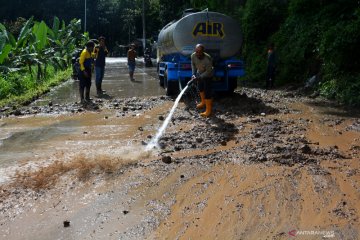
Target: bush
[[261, 19], [5, 88], [17, 83], [20, 88], [340, 47], [344, 89]]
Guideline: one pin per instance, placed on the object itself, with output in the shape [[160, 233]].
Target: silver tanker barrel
[[218, 32]]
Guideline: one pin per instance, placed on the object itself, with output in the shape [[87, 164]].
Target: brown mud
[[266, 165]]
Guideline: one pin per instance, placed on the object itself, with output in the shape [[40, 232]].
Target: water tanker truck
[[222, 38]]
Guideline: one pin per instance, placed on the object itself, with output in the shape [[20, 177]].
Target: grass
[[31, 91]]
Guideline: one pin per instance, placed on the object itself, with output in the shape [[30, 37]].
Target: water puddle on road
[[43, 139], [326, 128]]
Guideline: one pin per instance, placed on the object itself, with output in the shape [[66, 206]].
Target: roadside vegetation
[[316, 43], [314, 39], [35, 57]]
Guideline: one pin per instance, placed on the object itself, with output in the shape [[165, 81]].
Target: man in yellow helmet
[[202, 69]]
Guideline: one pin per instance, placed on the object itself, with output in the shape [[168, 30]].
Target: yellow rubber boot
[[209, 103], [202, 103]]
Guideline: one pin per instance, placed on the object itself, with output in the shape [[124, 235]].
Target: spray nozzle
[[190, 82]]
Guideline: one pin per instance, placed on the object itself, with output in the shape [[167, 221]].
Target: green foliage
[[339, 45], [16, 83], [38, 52], [329, 89], [260, 20], [38, 45], [344, 89], [5, 50], [40, 32], [311, 38], [297, 49], [5, 87], [19, 89], [14, 27], [168, 12]]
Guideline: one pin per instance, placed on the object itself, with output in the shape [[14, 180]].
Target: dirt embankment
[[267, 165]]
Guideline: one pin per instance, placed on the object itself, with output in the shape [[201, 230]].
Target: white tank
[[217, 32]]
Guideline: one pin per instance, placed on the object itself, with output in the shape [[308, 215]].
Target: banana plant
[[39, 45], [21, 53], [40, 31], [24, 33], [5, 46]]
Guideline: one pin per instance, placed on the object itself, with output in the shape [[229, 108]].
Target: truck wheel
[[161, 81], [165, 80], [168, 89], [172, 88], [232, 84], [166, 85]]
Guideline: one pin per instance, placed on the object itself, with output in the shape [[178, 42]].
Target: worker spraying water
[[177, 63], [154, 141], [202, 69]]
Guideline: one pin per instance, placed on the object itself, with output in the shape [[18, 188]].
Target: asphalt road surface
[[116, 83]]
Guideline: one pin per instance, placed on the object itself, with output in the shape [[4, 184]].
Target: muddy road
[[267, 165]]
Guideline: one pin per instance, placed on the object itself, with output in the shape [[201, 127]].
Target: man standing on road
[[131, 55], [202, 70], [86, 63], [100, 54]]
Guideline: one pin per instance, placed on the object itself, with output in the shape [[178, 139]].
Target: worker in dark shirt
[[271, 67], [100, 54]]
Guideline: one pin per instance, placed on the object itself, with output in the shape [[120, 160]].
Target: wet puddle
[[327, 126], [47, 138]]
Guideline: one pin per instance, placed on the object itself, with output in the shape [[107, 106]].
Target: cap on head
[[90, 44], [101, 38]]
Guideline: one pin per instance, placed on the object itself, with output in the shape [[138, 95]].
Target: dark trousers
[[99, 77], [205, 85], [85, 84], [270, 77]]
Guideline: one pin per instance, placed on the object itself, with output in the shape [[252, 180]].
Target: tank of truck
[[217, 32]]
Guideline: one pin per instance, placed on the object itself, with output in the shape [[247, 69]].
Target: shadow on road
[[105, 96], [333, 108], [236, 104]]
